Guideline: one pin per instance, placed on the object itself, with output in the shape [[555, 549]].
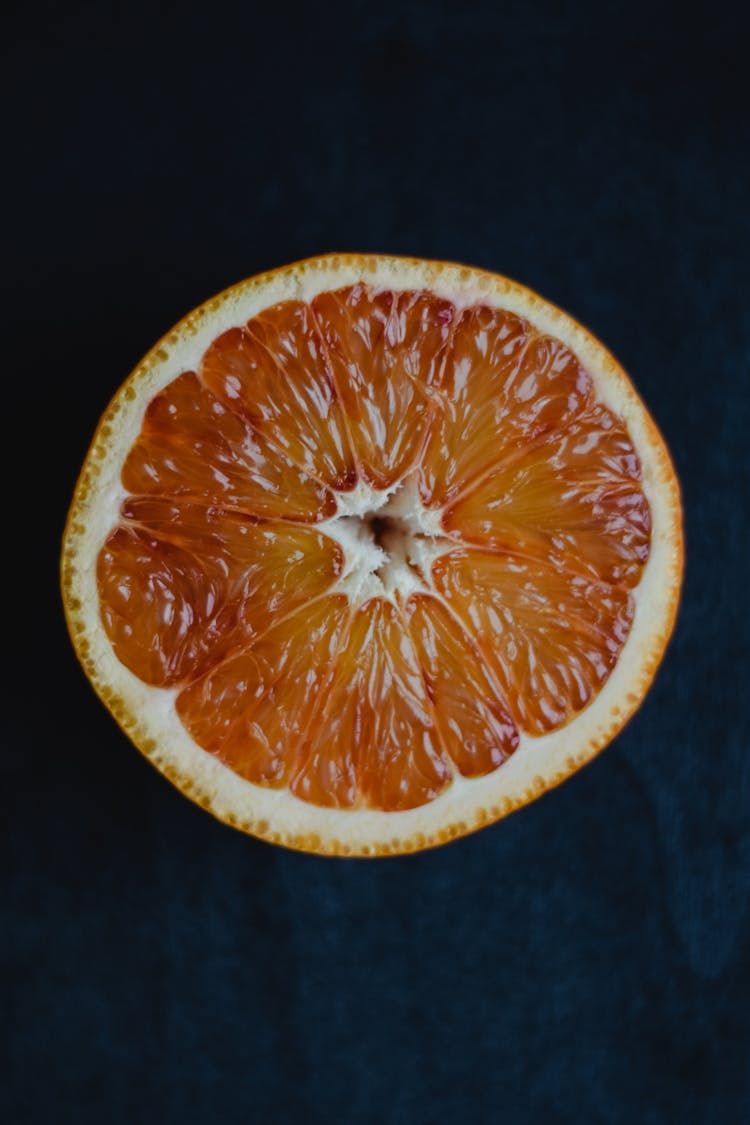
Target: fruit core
[[389, 541]]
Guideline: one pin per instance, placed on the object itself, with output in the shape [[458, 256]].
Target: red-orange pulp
[[217, 582]]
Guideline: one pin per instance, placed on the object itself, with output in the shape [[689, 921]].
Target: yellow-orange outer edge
[[312, 843]]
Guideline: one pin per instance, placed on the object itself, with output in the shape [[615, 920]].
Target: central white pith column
[[389, 540]]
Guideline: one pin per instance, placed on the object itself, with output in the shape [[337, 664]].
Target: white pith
[[401, 566], [538, 762]]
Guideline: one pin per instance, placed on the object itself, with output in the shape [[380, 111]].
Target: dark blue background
[[587, 960]]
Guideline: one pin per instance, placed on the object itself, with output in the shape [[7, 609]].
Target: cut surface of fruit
[[369, 552]]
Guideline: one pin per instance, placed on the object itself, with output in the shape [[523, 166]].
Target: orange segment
[[471, 714], [182, 584], [550, 637], [253, 710], [386, 352], [162, 614], [577, 495], [375, 738], [503, 387], [191, 446], [272, 373]]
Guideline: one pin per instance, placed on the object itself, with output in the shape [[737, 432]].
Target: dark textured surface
[[586, 960]]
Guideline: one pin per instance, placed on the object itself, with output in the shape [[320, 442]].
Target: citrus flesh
[[367, 546]]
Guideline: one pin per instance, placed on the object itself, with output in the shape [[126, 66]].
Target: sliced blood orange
[[368, 552]]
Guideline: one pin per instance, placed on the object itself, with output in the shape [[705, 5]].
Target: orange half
[[368, 552]]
